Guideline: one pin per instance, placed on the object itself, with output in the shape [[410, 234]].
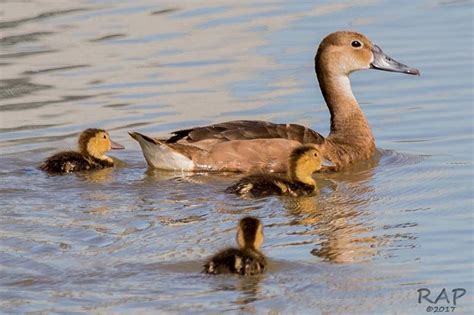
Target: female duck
[[252, 146], [246, 260], [93, 144], [303, 162]]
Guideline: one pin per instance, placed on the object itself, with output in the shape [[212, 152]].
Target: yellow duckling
[[247, 260], [302, 163], [93, 144]]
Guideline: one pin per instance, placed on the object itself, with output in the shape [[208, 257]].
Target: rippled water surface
[[133, 240]]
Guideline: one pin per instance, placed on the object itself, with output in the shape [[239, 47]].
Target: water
[[133, 240]]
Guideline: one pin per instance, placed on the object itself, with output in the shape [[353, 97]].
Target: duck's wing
[[236, 146], [245, 262], [247, 130], [224, 262], [254, 263], [259, 185], [65, 162], [299, 189]]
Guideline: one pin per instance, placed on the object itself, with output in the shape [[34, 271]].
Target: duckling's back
[[264, 185], [238, 261], [260, 185], [70, 161]]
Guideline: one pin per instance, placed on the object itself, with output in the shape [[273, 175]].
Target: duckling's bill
[[386, 63], [116, 146]]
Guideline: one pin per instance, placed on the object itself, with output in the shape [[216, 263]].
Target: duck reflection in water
[[249, 288], [338, 218], [103, 176]]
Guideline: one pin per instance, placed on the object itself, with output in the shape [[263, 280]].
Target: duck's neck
[[249, 247], [347, 119], [300, 175], [98, 156], [107, 160]]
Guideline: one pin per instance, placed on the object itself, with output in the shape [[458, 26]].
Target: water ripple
[[131, 240]]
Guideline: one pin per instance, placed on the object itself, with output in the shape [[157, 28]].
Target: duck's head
[[250, 233], [304, 161], [96, 142], [343, 52]]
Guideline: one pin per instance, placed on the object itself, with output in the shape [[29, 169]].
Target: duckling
[[247, 260], [93, 144], [302, 163]]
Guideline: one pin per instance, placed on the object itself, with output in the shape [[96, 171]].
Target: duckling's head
[[304, 161], [96, 142], [250, 233], [343, 52]]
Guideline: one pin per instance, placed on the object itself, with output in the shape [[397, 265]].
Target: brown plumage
[[246, 130], [257, 146], [246, 260], [302, 163], [93, 144]]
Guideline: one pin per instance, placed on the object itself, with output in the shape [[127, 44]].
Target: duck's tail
[[160, 155]]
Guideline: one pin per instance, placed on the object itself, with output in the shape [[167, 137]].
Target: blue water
[[133, 240]]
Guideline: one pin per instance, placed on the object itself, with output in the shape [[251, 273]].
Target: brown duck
[[93, 144], [258, 146], [247, 260]]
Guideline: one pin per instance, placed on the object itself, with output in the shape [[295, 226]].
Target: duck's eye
[[356, 44], [105, 137], [315, 154]]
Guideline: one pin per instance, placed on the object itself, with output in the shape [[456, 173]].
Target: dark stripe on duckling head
[[249, 234], [300, 151]]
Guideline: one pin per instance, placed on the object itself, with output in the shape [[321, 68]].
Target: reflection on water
[[247, 289], [337, 219], [130, 239], [338, 233], [103, 176]]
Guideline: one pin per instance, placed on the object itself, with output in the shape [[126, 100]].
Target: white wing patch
[[210, 267], [238, 263], [282, 186], [246, 188]]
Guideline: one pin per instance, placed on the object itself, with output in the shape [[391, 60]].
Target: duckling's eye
[[105, 137], [315, 154], [356, 44]]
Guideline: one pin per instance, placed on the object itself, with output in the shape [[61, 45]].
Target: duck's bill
[[384, 62], [116, 146]]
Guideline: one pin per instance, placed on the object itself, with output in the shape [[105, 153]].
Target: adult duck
[[258, 146]]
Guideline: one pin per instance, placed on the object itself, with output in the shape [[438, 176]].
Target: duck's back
[[238, 261], [263, 185], [71, 161], [298, 189], [259, 185]]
